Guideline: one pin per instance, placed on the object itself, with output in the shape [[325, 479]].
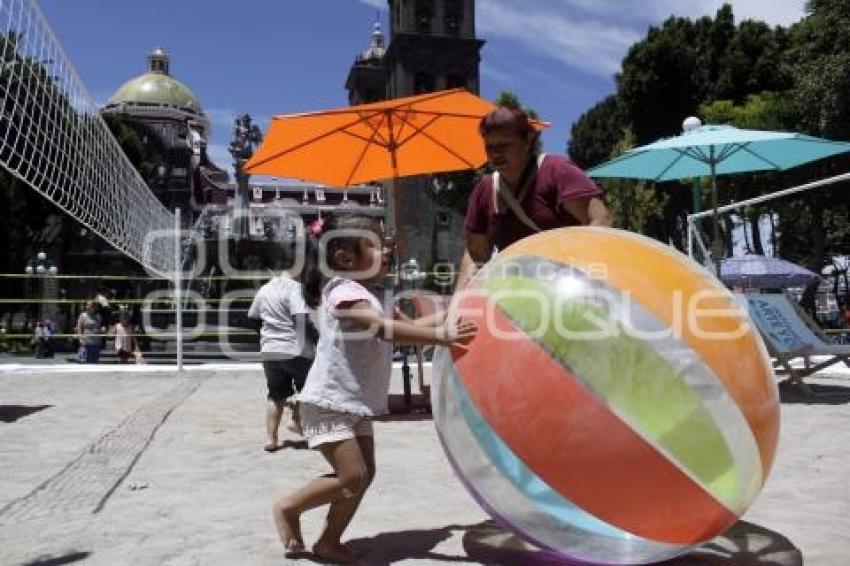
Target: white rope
[[53, 138]]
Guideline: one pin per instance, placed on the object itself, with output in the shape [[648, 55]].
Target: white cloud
[[591, 45], [222, 120], [220, 117], [380, 4], [494, 73], [594, 36], [775, 12]]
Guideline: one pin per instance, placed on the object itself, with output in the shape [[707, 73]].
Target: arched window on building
[[424, 15], [423, 82], [372, 95], [452, 16], [455, 80]]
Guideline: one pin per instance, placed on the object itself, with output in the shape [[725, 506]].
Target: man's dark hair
[[506, 118]]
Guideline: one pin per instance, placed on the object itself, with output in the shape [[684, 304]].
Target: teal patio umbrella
[[712, 150]]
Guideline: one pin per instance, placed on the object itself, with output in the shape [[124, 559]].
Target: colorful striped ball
[[615, 407]]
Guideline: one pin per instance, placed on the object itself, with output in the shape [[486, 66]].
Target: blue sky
[[267, 57]]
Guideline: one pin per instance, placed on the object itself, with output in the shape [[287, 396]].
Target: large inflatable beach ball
[[615, 407]]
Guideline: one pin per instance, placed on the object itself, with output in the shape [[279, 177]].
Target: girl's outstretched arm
[[364, 317], [433, 319]]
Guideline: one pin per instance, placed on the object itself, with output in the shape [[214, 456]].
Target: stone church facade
[[432, 46]]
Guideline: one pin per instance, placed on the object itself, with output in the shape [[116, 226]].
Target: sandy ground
[[111, 467]]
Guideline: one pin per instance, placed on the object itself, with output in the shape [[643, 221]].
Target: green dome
[[156, 88]]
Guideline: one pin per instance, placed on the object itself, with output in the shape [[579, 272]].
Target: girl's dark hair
[[312, 276]]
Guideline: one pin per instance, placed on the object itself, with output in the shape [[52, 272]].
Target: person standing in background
[[287, 344]]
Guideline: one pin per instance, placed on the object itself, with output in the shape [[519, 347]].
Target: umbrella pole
[[716, 246], [401, 250], [400, 242]]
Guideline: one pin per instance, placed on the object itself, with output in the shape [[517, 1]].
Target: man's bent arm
[[589, 211]]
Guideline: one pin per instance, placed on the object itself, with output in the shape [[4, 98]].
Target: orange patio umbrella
[[435, 132], [428, 133]]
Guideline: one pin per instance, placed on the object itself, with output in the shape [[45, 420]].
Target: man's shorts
[[323, 426], [286, 377]]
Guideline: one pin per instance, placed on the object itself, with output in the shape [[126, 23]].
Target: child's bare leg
[[295, 425], [287, 521], [350, 471], [274, 412], [342, 510]]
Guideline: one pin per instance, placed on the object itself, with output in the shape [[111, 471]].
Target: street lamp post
[[689, 124], [44, 269]]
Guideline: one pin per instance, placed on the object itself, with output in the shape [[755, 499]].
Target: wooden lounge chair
[[790, 333]]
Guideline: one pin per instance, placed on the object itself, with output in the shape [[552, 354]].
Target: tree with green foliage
[[509, 99], [634, 206], [750, 75], [595, 136], [657, 86], [142, 146], [819, 55], [30, 95]]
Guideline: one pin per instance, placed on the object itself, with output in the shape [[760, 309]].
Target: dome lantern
[[158, 61], [376, 49]]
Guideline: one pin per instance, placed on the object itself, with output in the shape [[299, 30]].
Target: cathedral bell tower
[[432, 47], [367, 80]]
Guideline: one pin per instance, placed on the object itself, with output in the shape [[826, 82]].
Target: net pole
[[178, 308]]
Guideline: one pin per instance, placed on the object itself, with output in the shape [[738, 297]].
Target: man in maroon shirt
[[532, 193]]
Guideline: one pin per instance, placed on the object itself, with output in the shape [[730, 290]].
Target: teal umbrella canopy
[[718, 150], [713, 150]]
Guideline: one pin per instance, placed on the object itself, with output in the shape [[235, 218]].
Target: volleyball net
[[53, 138]]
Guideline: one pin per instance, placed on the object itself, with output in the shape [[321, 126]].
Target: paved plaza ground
[[103, 466]]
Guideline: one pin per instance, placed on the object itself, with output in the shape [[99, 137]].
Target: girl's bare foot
[[272, 445], [295, 426], [334, 552], [288, 523], [293, 548]]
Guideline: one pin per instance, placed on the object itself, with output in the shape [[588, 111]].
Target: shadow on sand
[[419, 409], [387, 548], [293, 445], [745, 544], [59, 560], [11, 413], [822, 394]]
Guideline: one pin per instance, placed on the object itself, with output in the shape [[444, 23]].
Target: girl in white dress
[[348, 383]]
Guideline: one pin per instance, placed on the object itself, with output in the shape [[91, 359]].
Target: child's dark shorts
[[285, 377]]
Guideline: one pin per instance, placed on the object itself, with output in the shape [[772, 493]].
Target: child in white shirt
[[287, 339]]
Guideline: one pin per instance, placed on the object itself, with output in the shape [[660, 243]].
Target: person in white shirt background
[[287, 341]]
